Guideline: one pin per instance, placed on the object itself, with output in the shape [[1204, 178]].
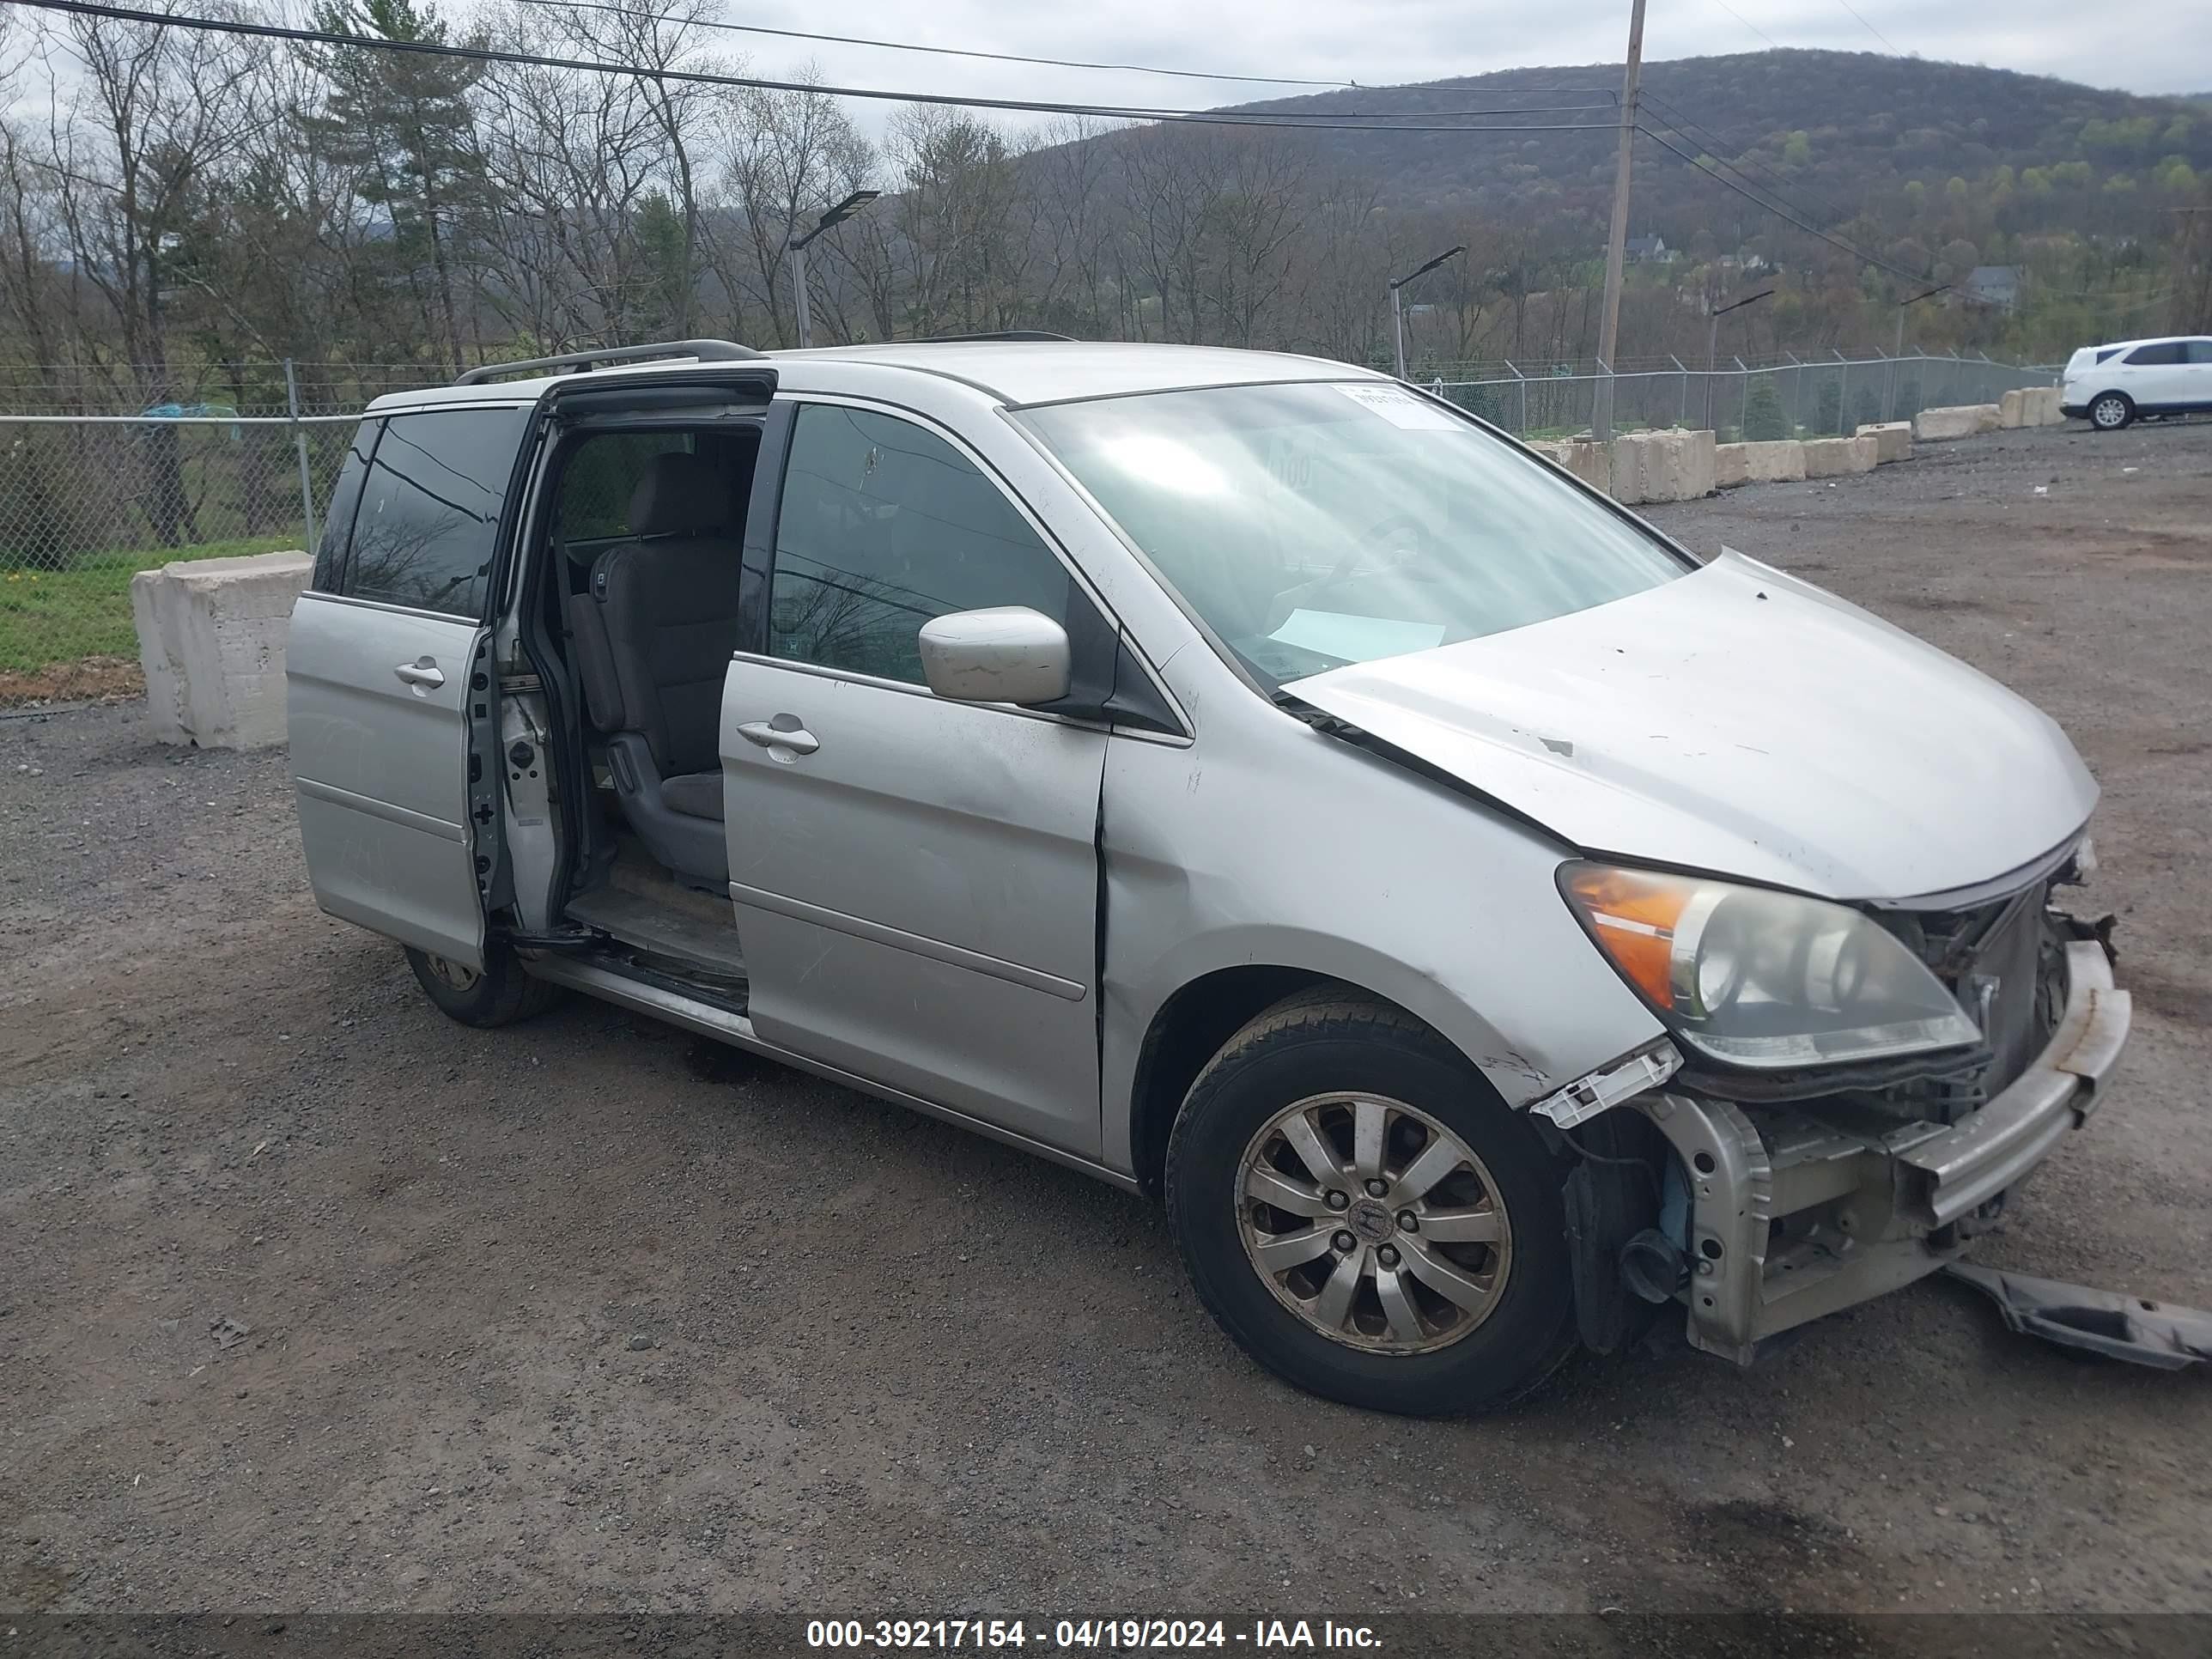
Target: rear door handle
[[423, 673], [769, 734]]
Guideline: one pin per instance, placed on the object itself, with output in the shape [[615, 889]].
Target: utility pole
[[1616, 247]]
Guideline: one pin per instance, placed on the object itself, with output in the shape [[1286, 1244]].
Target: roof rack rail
[[706, 351], [991, 334]]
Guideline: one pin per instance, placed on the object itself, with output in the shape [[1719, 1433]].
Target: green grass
[[49, 616]]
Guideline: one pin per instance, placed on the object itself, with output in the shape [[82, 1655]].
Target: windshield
[[1317, 525]]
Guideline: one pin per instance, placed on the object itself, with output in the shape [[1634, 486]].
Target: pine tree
[[1763, 421], [404, 118]]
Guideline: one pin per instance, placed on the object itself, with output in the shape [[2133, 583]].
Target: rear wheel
[[499, 994], [1364, 1216], [2112, 410]]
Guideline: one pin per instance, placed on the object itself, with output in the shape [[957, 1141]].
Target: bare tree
[[792, 154], [142, 118]]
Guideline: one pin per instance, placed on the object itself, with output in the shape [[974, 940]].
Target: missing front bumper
[[1794, 1217]]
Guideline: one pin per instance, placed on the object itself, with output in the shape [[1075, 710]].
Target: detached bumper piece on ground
[[2107, 1322]]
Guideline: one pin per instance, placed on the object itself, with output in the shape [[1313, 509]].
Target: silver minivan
[[1488, 929]]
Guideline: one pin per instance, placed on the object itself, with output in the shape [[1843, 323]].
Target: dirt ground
[[312, 1299]]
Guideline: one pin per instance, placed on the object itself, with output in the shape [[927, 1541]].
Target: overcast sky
[[2143, 45]]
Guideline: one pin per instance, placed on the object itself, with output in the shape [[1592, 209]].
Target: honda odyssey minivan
[[1486, 928]]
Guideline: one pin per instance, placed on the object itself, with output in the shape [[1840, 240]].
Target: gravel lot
[[587, 1315]]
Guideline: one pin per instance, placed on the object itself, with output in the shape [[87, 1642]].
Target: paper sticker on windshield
[[1357, 639], [1397, 405]]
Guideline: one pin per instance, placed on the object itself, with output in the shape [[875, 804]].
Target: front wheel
[[1366, 1218], [498, 994], [2112, 411]]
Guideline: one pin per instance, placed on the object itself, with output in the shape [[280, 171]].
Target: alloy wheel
[[453, 975], [2109, 412], [1374, 1222]]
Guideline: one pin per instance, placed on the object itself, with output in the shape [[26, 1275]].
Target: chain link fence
[[97, 484], [86, 501], [1796, 398]]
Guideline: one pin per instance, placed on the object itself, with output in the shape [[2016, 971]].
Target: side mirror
[[1009, 654]]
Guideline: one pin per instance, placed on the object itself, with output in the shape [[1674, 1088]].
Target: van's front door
[[383, 662], [916, 880]]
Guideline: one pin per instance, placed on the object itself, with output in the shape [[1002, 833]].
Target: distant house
[[1992, 285], [1649, 250]]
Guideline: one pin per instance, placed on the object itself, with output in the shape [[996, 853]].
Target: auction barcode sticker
[[1397, 405]]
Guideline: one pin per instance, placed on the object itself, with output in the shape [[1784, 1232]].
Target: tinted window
[[2165, 351], [2200, 351], [884, 525], [597, 482], [337, 513], [428, 521]]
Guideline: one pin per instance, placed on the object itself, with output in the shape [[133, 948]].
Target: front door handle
[[423, 673], [782, 732]]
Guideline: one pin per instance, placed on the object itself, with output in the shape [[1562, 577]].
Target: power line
[[1870, 28], [1671, 116], [1852, 248], [703, 77], [1748, 24], [958, 52], [1285, 115]]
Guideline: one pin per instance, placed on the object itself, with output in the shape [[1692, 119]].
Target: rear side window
[[2163, 351], [884, 525], [597, 483], [338, 514], [428, 526], [2200, 351]]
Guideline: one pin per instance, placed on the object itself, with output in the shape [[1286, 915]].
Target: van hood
[[1740, 721]]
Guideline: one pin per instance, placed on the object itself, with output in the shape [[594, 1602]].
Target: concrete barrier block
[[1780, 461], [1628, 458], [2039, 406], [1958, 420], [1831, 458], [1691, 463], [1588, 461], [2008, 410], [211, 637], [1893, 441]]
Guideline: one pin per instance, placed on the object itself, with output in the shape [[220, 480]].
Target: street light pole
[[1889, 403], [1616, 246], [1397, 311], [1713, 315], [844, 210]]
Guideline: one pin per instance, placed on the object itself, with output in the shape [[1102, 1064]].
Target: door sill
[[627, 986]]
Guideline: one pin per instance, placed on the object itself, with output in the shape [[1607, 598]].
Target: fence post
[[1683, 419], [300, 442], [1743, 422], [1523, 434]]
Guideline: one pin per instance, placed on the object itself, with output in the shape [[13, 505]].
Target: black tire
[[2111, 410], [500, 996], [1336, 1041]]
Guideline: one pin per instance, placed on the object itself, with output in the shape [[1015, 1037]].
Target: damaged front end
[[1774, 1197]]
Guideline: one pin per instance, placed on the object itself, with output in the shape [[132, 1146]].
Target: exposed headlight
[[1761, 979]]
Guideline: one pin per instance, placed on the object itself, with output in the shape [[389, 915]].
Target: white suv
[[2112, 384]]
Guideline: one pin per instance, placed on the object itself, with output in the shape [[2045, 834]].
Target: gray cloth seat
[[655, 629]]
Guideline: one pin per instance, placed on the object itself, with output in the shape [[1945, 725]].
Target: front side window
[[427, 525], [2200, 351], [884, 525], [1316, 524], [2164, 351]]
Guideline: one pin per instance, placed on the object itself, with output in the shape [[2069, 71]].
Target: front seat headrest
[[679, 495]]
